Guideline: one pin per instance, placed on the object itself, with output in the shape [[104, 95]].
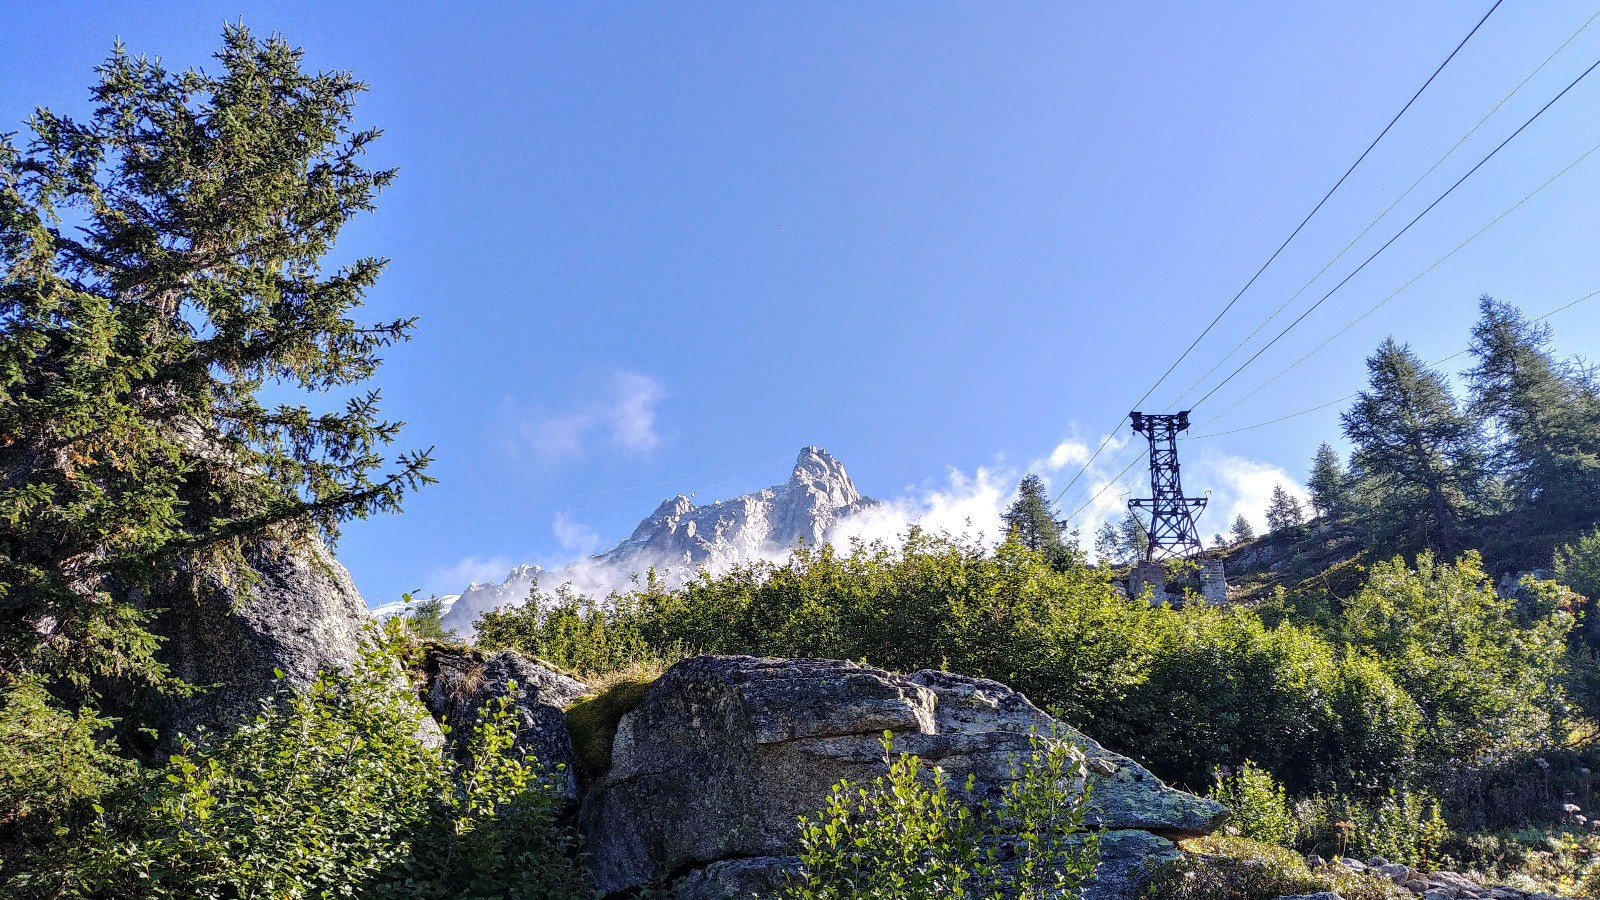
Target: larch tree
[[1546, 414], [1421, 457]]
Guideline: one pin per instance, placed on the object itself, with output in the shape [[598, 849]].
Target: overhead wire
[[1419, 276], [1589, 296], [1390, 208], [1298, 228], [1376, 253]]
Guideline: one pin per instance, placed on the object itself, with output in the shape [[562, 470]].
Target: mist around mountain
[[680, 539]]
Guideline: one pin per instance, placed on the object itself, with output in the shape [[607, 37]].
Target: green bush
[[1485, 679], [1188, 690], [1260, 808], [1578, 565], [1404, 827], [328, 792], [908, 835]]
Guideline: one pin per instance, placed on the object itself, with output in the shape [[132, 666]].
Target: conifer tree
[[1029, 520], [1547, 414], [1421, 458], [161, 266], [1242, 531], [1284, 511], [1329, 484]]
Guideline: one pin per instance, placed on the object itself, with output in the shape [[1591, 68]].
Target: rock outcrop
[[710, 773], [301, 615], [679, 539], [461, 682]]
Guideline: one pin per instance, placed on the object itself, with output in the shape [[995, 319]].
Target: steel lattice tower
[[1172, 530]]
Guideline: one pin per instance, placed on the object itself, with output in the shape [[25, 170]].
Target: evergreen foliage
[[1420, 458], [1284, 511], [1030, 522], [1242, 531], [426, 620], [1329, 484], [161, 266], [1547, 417], [1578, 565]]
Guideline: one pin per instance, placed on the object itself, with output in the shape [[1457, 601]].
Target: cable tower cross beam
[[1172, 530]]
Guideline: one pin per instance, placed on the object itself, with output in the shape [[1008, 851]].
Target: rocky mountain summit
[[680, 538]]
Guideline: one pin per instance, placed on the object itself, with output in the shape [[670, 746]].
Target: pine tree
[[1284, 512], [1329, 484], [1029, 520], [1243, 533], [1421, 459], [1218, 541], [138, 457], [1547, 413]]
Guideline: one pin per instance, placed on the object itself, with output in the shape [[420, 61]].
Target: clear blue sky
[[676, 242]]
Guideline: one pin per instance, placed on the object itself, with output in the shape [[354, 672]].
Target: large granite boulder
[[711, 772], [460, 682], [298, 615]]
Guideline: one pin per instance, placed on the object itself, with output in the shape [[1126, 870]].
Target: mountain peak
[[680, 538]]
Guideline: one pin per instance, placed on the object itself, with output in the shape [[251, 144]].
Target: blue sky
[[659, 248]]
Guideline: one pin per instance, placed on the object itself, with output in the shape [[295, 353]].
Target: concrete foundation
[[1152, 575], [1213, 581]]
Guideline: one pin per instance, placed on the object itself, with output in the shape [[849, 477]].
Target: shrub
[[1578, 565], [328, 792], [908, 836], [1260, 809], [1403, 827], [52, 762], [1485, 679]]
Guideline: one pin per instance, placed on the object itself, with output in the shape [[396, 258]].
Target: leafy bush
[[328, 792], [908, 835], [1188, 689], [1260, 808], [1484, 679], [1578, 565], [53, 764], [1400, 826], [1404, 827]]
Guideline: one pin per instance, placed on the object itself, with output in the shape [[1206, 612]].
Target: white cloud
[[1242, 486], [623, 416], [633, 411], [964, 506], [451, 579], [574, 537], [1067, 453]]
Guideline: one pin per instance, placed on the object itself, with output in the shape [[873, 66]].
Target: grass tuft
[[593, 719]]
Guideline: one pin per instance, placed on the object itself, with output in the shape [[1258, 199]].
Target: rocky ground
[[1427, 885]]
